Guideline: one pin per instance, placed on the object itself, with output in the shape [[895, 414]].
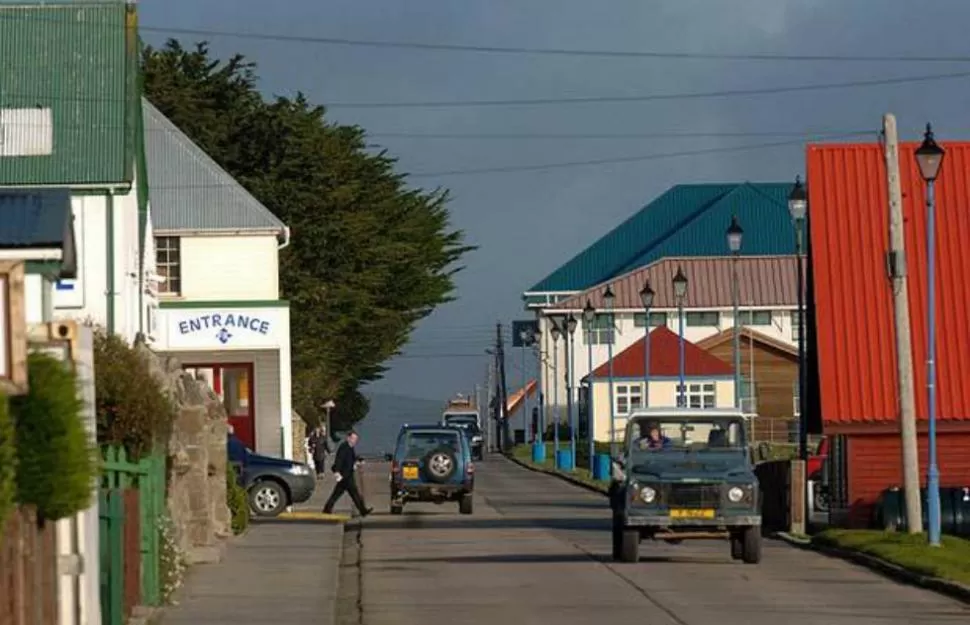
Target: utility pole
[[896, 265], [502, 388], [490, 403]]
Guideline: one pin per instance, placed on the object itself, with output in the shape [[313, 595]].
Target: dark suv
[[686, 474], [432, 463], [272, 484]]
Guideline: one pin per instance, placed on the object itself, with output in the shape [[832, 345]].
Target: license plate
[[681, 513], [410, 473]]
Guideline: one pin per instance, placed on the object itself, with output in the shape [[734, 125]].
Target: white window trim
[[700, 390], [629, 393]]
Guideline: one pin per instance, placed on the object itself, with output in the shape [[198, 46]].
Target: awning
[[37, 224]]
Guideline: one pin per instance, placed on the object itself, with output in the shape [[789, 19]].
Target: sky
[[528, 222]]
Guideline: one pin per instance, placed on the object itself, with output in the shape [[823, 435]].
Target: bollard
[[601, 467], [539, 453], [564, 460]]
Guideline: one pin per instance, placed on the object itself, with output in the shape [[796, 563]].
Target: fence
[[28, 571], [132, 502]]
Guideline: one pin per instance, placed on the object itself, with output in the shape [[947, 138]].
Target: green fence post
[[112, 520]]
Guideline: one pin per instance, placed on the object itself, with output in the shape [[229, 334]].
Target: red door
[[234, 384]]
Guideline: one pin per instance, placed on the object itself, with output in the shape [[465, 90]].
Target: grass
[[951, 561], [523, 453]]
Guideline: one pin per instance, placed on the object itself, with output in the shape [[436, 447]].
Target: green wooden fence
[[148, 476], [111, 513]]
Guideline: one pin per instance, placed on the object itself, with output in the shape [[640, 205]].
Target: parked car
[[432, 463], [271, 484], [686, 474], [473, 432]]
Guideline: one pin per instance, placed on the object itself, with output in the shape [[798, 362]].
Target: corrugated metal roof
[[853, 297], [687, 220], [762, 280], [34, 218], [664, 359], [752, 335], [78, 62], [188, 191]]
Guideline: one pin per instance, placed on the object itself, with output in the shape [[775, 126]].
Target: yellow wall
[[229, 268]]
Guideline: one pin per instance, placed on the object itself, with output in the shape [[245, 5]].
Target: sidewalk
[[280, 570]]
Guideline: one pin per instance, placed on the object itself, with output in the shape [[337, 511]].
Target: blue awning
[[39, 220]]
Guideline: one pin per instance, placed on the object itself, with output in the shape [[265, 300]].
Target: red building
[[853, 332]]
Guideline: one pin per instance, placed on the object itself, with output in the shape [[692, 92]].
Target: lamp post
[[929, 157], [571, 324], [734, 237], [680, 293], [608, 299], [798, 208], [589, 317], [540, 391], [646, 298], [555, 333], [524, 340]]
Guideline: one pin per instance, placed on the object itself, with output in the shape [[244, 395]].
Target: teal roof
[[687, 220]]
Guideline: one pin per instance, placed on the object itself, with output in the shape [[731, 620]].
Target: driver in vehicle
[[652, 438]]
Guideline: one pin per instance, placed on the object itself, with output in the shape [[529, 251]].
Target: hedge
[[237, 501], [8, 463]]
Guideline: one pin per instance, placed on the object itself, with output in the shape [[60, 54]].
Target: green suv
[[686, 474]]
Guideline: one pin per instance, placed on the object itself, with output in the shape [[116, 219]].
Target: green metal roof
[[687, 220], [67, 93]]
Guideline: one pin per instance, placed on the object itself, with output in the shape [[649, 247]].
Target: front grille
[[693, 495]]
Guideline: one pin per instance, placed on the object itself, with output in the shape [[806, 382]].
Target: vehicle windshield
[[418, 444], [646, 435], [463, 420]]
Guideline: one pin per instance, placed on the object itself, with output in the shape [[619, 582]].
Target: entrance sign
[[225, 328]]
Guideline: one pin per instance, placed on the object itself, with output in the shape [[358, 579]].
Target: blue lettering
[[263, 327], [231, 320], [242, 321], [195, 325], [217, 320], [205, 319], [183, 327], [254, 324]]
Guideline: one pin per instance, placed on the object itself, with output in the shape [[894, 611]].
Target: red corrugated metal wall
[[849, 222], [875, 465]]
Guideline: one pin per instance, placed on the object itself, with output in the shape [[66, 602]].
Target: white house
[[217, 256]]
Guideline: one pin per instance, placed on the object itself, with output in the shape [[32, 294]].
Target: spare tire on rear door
[[440, 464]]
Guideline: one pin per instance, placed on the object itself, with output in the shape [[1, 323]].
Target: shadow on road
[[440, 522]]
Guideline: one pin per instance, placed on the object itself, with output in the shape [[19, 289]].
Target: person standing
[[344, 471], [319, 447]]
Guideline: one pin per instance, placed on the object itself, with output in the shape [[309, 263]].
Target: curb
[[954, 590], [557, 474]]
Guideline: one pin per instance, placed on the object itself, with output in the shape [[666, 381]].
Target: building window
[[796, 325], [657, 319], [699, 395], [168, 264], [706, 318], [601, 333], [628, 398], [754, 317]]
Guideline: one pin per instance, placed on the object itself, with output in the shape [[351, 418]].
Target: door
[[233, 383]]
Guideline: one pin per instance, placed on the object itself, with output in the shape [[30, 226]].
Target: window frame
[[699, 390], [629, 392], [747, 318], [657, 319], [600, 332], [694, 314], [164, 266]]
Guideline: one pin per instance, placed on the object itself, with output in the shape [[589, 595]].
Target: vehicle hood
[[270, 461], [676, 466]]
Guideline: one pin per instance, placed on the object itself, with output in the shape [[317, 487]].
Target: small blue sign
[[65, 285]]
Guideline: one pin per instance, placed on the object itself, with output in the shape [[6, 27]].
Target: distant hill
[[378, 431]]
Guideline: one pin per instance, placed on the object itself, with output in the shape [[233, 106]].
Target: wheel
[[617, 537], [629, 546], [267, 498], [737, 547], [396, 509], [466, 504], [751, 545], [440, 464], [821, 501]]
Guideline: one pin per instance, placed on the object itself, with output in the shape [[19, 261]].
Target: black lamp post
[[680, 294], [798, 209], [608, 300], [735, 234], [589, 318], [571, 324], [646, 298]]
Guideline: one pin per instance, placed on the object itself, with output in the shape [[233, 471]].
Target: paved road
[[537, 551]]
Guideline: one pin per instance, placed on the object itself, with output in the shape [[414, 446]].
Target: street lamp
[[735, 234], [571, 324], [525, 338], [646, 298], [589, 318], [680, 293], [540, 392], [555, 333], [798, 209], [929, 157], [608, 300]]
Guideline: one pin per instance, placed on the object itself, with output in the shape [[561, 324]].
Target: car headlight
[[476, 439], [648, 495], [736, 494], [299, 469]]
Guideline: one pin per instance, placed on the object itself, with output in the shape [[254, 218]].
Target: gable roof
[[854, 319], [664, 359], [763, 281], [686, 220], [752, 335], [190, 192]]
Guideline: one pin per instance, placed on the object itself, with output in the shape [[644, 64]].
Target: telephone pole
[[896, 264], [502, 388]]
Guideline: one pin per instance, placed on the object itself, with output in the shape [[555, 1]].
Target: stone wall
[[299, 437], [197, 461]]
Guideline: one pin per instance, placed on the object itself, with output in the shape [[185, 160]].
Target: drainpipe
[[286, 238], [110, 235]]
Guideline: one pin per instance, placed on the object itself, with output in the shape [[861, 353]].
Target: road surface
[[537, 551]]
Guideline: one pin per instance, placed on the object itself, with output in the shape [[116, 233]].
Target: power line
[[605, 136], [697, 95]]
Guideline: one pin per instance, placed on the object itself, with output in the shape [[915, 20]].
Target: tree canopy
[[370, 255]]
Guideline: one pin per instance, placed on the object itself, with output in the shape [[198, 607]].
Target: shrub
[[8, 463], [237, 501], [133, 409], [171, 560], [55, 463]]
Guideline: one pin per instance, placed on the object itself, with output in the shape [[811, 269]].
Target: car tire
[[440, 464], [630, 546], [267, 498], [397, 509], [751, 545], [737, 547], [466, 505]]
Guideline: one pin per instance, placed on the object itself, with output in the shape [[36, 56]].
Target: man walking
[[319, 448], [344, 469]]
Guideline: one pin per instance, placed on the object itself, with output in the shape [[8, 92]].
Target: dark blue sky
[[527, 223]]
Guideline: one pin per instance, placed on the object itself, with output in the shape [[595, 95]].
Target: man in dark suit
[[344, 468]]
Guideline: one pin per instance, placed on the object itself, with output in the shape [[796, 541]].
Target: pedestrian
[[344, 471], [319, 448]]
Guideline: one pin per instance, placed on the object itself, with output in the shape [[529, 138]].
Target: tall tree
[[370, 256]]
